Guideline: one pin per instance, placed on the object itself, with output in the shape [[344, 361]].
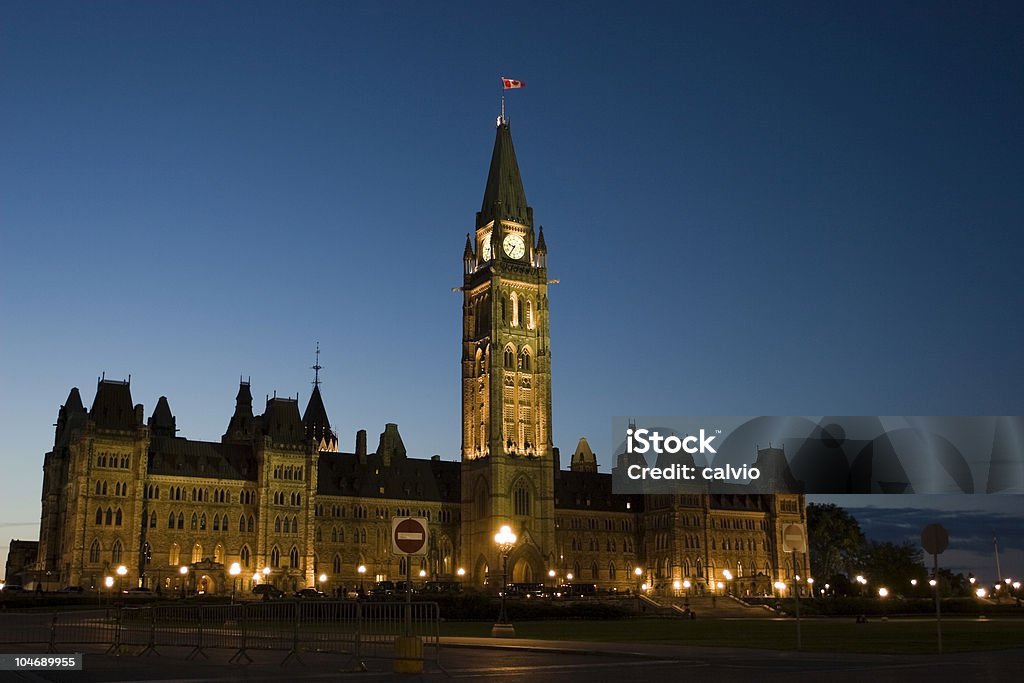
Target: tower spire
[[317, 367]]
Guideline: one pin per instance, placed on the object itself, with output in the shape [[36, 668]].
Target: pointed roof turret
[[504, 196], [241, 427], [467, 253], [583, 460], [542, 246], [70, 415], [74, 403], [162, 423], [317, 424]]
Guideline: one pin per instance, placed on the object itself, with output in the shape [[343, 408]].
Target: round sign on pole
[[793, 539], [409, 535], [934, 539]]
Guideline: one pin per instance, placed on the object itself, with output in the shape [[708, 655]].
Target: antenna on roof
[[316, 368]]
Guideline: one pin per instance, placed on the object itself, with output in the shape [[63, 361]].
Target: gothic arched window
[[510, 358], [94, 551]]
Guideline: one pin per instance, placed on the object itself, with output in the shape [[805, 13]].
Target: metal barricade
[[359, 629]]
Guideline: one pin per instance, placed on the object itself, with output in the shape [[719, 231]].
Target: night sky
[[752, 209]]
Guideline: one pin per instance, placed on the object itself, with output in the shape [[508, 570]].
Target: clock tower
[[508, 468]]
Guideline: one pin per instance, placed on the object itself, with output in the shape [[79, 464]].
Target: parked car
[[442, 587], [382, 589], [13, 588], [71, 589], [267, 591], [309, 594]]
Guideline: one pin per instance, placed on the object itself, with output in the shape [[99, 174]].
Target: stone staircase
[[720, 607]]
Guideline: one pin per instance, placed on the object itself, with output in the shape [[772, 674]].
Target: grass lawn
[[910, 636]]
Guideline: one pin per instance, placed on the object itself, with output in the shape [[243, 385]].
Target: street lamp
[[183, 570], [980, 592], [121, 571], [235, 570], [109, 583], [638, 572], [810, 586], [323, 580], [461, 573], [727, 574], [883, 593], [780, 586], [686, 600], [362, 571], [505, 540]]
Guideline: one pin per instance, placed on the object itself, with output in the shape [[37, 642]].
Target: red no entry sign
[[409, 535]]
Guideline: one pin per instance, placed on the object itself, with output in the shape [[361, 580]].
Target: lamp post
[[728, 579], [323, 579], [686, 600], [183, 570], [121, 571], [235, 570], [505, 540], [362, 572], [638, 572], [883, 593], [109, 583]]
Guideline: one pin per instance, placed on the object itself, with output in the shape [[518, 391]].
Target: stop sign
[[934, 539], [793, 538], [409, 535]]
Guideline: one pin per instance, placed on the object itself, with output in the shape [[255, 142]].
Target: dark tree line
[[840, 551]]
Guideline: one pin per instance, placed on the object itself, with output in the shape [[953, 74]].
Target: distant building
[[275, 492], [21, 556]]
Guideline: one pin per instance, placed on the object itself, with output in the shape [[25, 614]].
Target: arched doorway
[[205, 585], [526, 565]]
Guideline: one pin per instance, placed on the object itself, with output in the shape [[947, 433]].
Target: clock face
[[485, 248], [514, 246]]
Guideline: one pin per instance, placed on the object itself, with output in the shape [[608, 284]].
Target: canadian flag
[[510, 84]]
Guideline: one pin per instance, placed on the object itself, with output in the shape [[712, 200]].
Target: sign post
[[794, 541], [409, 538], [935, 540]]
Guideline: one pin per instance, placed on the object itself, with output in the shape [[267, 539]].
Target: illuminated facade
[[276, 492]]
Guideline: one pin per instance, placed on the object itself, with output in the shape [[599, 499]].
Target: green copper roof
[[504, 183]]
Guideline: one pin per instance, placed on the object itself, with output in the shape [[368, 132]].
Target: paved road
[[534, 660]]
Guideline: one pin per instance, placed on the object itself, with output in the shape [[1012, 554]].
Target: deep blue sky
[[752, 209]]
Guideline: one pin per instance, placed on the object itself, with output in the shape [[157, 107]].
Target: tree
[[836, 542], [893, 565]]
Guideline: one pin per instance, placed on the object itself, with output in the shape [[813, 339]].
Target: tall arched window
[[275, 557], [524, 360], [218, 553], [94, 551], [216, 522], [174, 556], [202, 522], [152, 520], [197, 553], [521, 499], [224, 523], [245, 556], [529, 314], [109, 518], [99, 516], [277, 525], [510, 358], [115, 553], [293, 558], [181, 520], [611, 571], [117, 517], [251, 524], [336, 565], [195, 522], [514, 302]]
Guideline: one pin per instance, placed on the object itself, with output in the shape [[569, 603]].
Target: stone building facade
[[277, 496]]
